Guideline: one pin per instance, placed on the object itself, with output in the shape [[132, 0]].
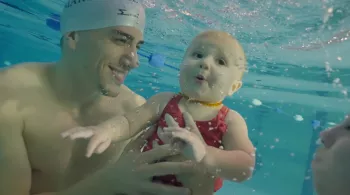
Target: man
[[331, 165], [39, 101]]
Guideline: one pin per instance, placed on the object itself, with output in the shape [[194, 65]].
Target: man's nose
[[129, 60]]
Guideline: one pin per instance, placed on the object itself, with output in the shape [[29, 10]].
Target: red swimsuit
[[212, 132]]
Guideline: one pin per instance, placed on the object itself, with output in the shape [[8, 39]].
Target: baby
[[212, 68]]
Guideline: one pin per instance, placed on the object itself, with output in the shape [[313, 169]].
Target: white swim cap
[[95, 14]]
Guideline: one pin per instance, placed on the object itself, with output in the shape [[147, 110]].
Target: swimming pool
[[289, 94]]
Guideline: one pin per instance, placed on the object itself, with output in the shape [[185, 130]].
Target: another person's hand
[[133, 172], [189, 139]]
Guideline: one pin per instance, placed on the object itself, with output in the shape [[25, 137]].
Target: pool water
[[297, 83]]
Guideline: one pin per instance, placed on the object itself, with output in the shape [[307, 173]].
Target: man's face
[[331, 165], [109, 55]]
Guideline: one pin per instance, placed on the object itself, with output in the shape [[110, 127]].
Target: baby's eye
[[197, 55], [222, 62]]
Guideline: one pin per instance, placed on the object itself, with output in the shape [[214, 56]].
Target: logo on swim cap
[[124, 12], [74, 2], [70, 3], [97, 14]]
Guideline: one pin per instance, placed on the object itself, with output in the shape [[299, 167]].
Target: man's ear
[[72, 39]]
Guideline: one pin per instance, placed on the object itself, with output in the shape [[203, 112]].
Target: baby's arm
[[237, 160], [122, 127], [128, 125]]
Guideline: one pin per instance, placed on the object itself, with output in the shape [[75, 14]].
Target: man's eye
[[121, 40]]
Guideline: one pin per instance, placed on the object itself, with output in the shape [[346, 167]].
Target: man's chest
[[47, 151]]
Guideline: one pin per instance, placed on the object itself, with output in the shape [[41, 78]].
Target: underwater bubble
[[298, 117], [257, 102], [7, 63], [336, 81], [331, 123], [344, 92]]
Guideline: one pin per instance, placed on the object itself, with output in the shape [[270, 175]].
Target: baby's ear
[[235, 87]]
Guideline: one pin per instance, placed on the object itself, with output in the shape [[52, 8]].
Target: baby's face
[[212, 67], [331, 165]]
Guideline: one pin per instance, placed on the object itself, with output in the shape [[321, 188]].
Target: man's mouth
[[119, 75]]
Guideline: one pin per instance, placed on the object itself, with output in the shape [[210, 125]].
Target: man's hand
[[133, 172]]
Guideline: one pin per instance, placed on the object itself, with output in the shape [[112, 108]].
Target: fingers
[[166, 168], [103, 146], [196, 150], [140, 140], [78, 132], [161, 189], [189, 120], [170, 121], [157, 153], [190, 124], [180, 136], [176, 142], [94, 142]]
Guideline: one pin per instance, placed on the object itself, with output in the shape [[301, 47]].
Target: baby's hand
[[100, 139], [188, 139]]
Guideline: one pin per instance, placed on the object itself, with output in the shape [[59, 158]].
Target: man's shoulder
[[133, 99], [21, 75], [14, 81]]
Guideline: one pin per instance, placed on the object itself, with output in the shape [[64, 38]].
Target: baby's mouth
[[200, 77]]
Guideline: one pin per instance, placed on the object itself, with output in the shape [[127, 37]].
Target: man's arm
[[15, 170]]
